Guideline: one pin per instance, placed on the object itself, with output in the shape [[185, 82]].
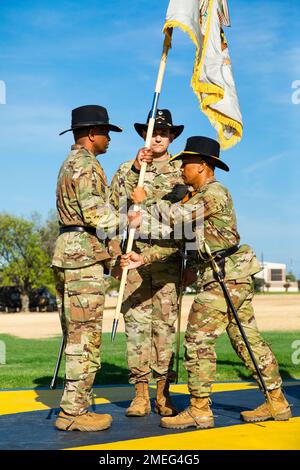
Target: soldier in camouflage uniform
[[211, 203], [78, 262], [150, 303]]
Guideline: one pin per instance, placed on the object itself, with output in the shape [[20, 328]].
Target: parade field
[[30, 363], [278, 312], [28, 406], [32, 342]]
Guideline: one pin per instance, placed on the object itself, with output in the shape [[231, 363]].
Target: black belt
[[225, 253], [162, 242], [77, 228]]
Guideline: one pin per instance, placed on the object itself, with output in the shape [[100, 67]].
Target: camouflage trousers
[[208, 318], [150, 312], [80, 299]]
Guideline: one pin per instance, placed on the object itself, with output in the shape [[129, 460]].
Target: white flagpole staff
[[160, 76]]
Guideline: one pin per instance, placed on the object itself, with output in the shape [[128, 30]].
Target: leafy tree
[[286, 286], [48, 233], [290, 277], [23, 260], [258, 284], [267, 285]]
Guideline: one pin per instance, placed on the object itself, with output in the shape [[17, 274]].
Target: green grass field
[[30, 363]]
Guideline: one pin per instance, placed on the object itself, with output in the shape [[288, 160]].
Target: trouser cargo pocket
[[85, 293], [86, 300]]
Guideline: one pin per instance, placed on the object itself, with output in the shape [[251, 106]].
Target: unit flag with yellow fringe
[[212, 79]]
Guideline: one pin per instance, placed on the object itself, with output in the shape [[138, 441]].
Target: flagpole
[[158, 87]]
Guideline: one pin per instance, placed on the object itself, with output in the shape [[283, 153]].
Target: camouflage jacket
[[211, 209], [163, 180], [82, 198]]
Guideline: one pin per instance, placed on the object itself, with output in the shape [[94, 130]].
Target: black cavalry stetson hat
[[89, 116], [203, 147], [163, 119]]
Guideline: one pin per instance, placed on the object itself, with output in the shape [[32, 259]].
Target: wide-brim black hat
[[90, 116], [163, 120], [203, 147]]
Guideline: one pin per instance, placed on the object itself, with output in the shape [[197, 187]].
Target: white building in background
[[274, 275]]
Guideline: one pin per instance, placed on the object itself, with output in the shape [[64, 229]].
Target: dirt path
[[273, 313]]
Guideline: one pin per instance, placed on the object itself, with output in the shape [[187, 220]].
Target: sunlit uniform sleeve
[[158, 253], [192, 211], [93, 197]]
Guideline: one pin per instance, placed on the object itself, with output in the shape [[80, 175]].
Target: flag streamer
[[212, 79]]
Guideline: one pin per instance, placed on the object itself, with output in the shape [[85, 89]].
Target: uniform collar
[[210, 180], [81, 147], [165, 160], [160, 164]]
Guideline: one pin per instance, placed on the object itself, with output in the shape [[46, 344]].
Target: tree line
[[26, 248]]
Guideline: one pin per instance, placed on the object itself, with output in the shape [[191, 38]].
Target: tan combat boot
[[140, 405], [86, 422], [262, 412], [163, 405], [198, 415]]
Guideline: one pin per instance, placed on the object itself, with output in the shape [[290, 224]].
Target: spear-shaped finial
[[114, 329]]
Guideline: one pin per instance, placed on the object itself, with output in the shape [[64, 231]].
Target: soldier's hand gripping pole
[[56, 370], [160, 76], [220, 278]]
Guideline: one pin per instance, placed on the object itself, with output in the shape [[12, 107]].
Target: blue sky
[[58, 55]]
